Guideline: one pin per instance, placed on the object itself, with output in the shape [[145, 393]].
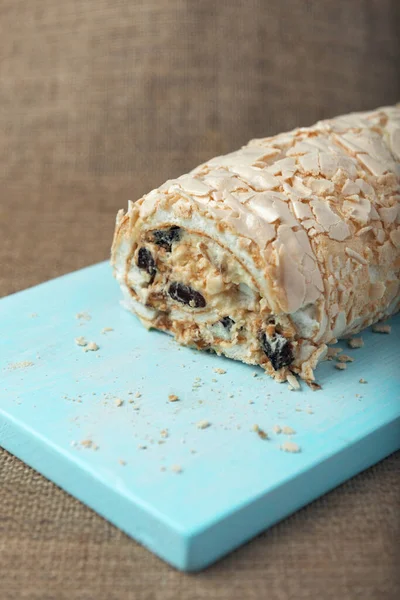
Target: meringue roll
[[268, 254]]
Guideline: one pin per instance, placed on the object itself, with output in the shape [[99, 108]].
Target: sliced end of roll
[[201, 283]]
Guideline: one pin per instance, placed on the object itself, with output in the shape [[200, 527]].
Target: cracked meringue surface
[[268, 254]]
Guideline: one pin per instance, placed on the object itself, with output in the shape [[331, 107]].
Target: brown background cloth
[[101, 101]]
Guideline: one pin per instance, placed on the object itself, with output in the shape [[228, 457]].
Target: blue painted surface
[[233, 484]]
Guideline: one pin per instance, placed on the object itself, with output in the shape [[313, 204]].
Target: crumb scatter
[[381, 328], [314, 385], [290, 447], [341, 366], [356, 342], [91, 347], [23, 364], [260, 432], [88, 443], [344, 358], [288, 430], [203, 424], [332, 353], [83, 316], [176, 469]]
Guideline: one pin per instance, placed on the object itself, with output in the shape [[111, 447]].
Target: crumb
[[341, 366], [310, 412], [142, 447], [363, 380], [34, 315], [288, 430], [314, 385], [356, 342], [290, 447], [20, 365], [381, 328], [203, 424], [251, 401], [164, 433], [173, 398], [277, 429], [293, 382], [255, 374], [193, 451], [344, 358], [88, 443], [118, 402], [122, 462], [106, 329], [91, 347], [214, 380], [138, 395], [298, 409], [176, 469], [260, 432], [84, 316], [219, 371], [332, 353], [80, 341], [163, 469]]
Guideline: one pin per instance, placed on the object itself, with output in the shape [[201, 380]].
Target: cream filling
[[205, 267], [234, 314]]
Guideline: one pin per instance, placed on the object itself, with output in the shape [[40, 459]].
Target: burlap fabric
[[100, 101]]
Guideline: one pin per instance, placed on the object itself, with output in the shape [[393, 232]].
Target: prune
[[186, 295], [146, 262], [165, 237], [227, 322], [278, 349]]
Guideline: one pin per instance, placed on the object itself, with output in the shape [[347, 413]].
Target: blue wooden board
[[233, 484]]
